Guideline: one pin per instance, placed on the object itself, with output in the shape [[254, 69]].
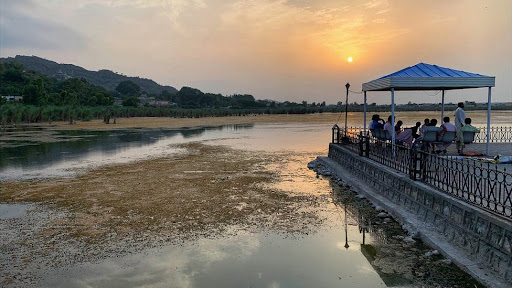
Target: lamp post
[[345, 139], [346, 108]]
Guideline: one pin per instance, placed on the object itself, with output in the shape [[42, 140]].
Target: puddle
[[245, 260], [10, 211]]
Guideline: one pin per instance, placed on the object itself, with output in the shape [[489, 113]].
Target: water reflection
[[247, 260], [69, 152]]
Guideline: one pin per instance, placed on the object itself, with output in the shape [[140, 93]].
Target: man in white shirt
[[460, 117], [446, 127]]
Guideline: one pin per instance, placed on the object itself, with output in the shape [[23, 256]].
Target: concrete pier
[[478, 241]]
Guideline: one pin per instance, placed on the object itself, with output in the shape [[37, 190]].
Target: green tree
[[128, 88], [35, 94], [131, 102]]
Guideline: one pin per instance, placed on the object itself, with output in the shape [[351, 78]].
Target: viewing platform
[[459, 205]]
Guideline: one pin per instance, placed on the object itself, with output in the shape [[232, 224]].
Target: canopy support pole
[[364, 117], [488, 121], [442, 108], [393, 118]]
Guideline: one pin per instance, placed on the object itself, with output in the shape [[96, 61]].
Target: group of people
[[410, 135]]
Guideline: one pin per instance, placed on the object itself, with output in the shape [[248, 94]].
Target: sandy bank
[[166, 122]]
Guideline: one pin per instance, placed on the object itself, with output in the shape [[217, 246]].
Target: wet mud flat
[[121, 209]]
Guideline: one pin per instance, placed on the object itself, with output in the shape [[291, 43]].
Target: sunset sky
[[283, 50]]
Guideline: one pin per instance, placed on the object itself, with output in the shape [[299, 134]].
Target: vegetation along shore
[[44, 95]]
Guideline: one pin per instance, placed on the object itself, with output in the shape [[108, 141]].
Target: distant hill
[[104, 78]]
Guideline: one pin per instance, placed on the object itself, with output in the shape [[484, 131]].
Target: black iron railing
[[350, 138], [397, 157], [482, 185], [497, 135]]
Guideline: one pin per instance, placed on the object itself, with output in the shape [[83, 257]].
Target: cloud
[[376, 4], [172, 9], [20, 28]]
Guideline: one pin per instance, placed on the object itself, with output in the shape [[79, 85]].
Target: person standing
[[460, 117]]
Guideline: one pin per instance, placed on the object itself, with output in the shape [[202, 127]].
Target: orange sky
[[284, 50]]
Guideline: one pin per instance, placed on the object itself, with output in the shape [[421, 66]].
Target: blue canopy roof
[[424, 76]]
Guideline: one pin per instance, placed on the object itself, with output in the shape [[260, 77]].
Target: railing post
[[367, 137], [413, 162], [361, 143], [423, 165]]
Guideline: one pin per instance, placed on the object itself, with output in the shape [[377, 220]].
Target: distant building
[[152, 101], [61, 75], [13, 98]]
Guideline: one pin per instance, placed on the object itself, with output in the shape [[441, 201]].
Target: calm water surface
[[97, 148]]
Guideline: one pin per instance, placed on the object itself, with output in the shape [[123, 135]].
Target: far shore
[[355, 119], [166, 122]]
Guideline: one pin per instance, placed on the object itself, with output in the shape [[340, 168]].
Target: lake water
[[240, 258]]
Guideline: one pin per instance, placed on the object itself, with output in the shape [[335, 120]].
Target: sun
[[349, 59]]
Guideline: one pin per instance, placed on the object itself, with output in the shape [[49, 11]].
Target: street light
[[345, 138]]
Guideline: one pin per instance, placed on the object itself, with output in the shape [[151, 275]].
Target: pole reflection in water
[[346, 230]]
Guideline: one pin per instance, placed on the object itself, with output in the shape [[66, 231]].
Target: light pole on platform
[[345, 139]]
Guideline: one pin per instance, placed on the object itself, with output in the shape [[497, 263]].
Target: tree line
[[49, 99]]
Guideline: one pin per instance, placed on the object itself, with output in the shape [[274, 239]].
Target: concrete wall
[[478, 241]]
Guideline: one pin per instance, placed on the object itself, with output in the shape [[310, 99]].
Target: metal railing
[[398, 158], [350, 139], [482, 185], [497, 135]]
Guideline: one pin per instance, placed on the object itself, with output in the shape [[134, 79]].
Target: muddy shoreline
[[121, 209]]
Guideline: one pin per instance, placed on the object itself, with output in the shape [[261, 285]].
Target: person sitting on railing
[[423, 127], [377, 122], [431, 126], [398, 126], [400, 136], [415, 131], [466, 128], [422, 130], [389, 127], [445, 127]]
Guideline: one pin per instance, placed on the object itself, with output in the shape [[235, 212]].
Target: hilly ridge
[[104, 78]]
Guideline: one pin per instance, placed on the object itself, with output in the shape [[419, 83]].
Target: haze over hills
[[104, 78]]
